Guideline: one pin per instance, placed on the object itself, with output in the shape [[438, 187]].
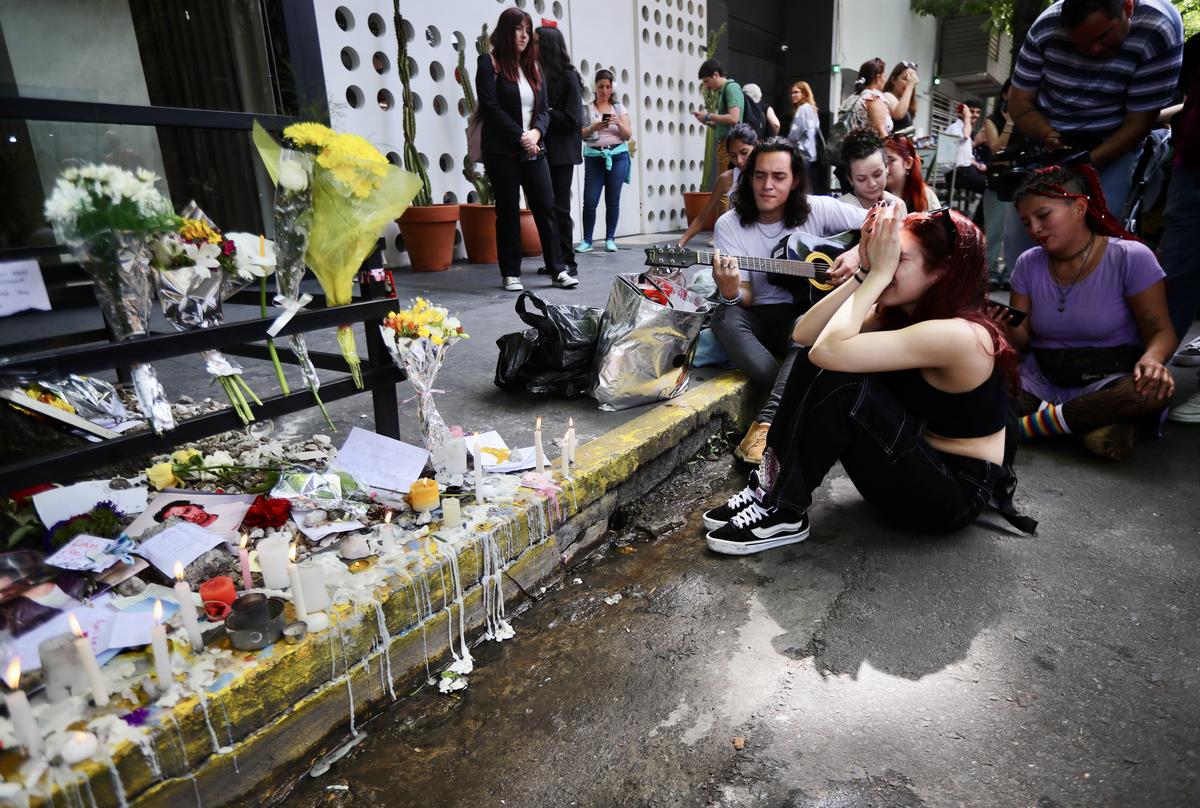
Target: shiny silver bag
[[647, 338]]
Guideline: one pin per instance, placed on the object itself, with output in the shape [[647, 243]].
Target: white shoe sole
[[713, 524], [758, 546], [1185, 361]]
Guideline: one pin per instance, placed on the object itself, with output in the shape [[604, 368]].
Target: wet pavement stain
[[864, 667]]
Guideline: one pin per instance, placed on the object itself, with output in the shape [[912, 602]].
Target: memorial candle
[[456, 456], [297, 584], [162, 653], [24, 724], [451, 513], [539, 452], [478, 472], [272, 560], [87, 661], [244, 560], [187, 609], [572, 441], [566, 455]]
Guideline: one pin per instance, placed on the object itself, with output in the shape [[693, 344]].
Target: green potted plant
[[478, 218], [427, 229], [695, 201]]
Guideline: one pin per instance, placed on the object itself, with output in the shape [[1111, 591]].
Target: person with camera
[[904, 381], [968, 171], [1097, 332], [900, 95], [1092, 76], [605, 161], [516, 116], [755, 316]]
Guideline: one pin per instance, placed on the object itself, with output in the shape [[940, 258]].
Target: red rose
[[266, 512]]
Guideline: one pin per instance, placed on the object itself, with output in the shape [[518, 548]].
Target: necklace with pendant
[[1064, 293]]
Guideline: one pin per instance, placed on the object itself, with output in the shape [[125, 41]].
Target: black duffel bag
[[554, 357]]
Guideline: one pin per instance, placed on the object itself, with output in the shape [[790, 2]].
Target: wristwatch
[[708, 117]]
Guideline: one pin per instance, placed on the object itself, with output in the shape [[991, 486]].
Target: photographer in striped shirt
[[1093, 74]]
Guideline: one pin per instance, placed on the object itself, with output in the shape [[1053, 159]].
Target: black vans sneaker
[[756, 528], [720, 516]]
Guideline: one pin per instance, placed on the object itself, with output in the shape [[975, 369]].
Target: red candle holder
[[218, 595]]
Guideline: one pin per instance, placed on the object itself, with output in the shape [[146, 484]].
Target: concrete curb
[[227, 747]]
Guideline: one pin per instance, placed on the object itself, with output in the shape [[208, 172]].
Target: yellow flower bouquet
[[356, 192]]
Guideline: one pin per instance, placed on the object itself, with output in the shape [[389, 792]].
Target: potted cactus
[[428, 229]]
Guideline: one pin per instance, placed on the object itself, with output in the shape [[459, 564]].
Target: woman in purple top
[[1097, 335]]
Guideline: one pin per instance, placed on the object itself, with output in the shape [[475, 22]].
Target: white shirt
[[965, 156], [828, 217], [527, 96]]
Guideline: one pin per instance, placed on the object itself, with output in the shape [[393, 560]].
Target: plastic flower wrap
[[109, 217], [255, 259], [356, 192], [418, 338], [197, 270]]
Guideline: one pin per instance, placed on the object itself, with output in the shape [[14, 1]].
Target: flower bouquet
[[109, 216], [418, 338], [198, 268], [255, 257], [355, 192]]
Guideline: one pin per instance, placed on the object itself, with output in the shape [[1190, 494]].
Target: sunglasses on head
[[910, 65]]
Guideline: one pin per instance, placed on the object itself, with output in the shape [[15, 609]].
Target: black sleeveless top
[[974, 414]]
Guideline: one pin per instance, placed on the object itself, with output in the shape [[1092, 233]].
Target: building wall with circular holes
[[653, 47]]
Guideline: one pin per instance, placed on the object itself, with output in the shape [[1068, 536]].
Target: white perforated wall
[[653, 46]]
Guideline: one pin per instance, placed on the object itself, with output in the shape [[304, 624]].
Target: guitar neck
[[773, 266]]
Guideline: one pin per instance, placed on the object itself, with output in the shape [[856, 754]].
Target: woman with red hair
[[906, 383], [904, 178], [515, 116]]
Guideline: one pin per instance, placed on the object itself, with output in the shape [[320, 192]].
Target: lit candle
[[79, 746], [162, 653], [244, 560], [572, 441], [187, 609], [478, 472], [387, 533], [566, 455], [539, 452], [451, 513], [87, 661], [297, 584], [24, 724], [272, 560], [316, 596]]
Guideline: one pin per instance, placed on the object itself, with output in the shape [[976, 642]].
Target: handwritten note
[[183, 542], [21, 287], [84, 553], [379, 461]]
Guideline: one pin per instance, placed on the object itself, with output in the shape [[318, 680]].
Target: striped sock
[[1048, 420]]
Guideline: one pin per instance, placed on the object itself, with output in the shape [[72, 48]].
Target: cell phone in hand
[[1015, 316], [607, 116]]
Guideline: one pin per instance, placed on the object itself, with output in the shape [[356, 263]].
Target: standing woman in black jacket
[[564, 140], [515, 115]]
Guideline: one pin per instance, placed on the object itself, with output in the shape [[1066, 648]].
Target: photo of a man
[[188, 511], [219, 513]]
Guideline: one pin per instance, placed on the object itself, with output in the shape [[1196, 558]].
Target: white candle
[[387, 532], [451, 513], [244, 561], [273, 560], [572, 441], [566, 455], [60, 670], [187, 609], [456, 456], [539, 452], [162, 652], [87, 661], [478, 472], [79, 746], [312, 580], [297, 585], [24, 724]]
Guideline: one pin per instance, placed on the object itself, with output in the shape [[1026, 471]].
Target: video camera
[[1012, 166]]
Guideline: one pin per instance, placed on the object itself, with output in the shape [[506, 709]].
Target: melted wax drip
[[229, 732], [182, 748], [386, 640], [146, 744], [118, 786]]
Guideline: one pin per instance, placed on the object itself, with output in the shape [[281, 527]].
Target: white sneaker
[[1188, 412], [564, 280], [512, 284], [1188, 355]]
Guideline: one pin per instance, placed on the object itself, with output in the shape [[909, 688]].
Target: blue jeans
[[1176, 252], [1116, 180], [596, 179]]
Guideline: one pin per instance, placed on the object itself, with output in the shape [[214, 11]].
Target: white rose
[[292, 176]]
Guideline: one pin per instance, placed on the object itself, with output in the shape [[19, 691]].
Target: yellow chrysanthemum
[[309, 134], [423, 331], [199, 230]]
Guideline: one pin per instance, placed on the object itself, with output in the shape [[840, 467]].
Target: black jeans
[[509, 175], [758, 340], [827, 416], [561, 178]]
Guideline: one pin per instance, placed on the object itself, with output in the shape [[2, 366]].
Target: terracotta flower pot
[[428, 232], [479, 232], [531, 244], [693, 205]]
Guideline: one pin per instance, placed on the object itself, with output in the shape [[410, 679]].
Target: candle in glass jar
[[187, 609], [297, 585], [87, 661], [162, 653], [539, 452], [244, 561], [24, 725], [451, 513]]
